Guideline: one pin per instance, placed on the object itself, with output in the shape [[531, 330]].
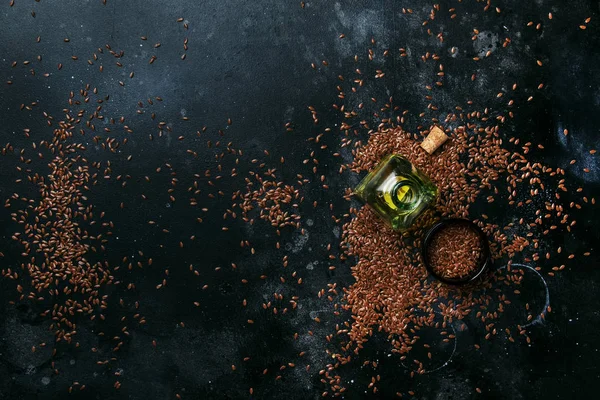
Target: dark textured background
[[250, 61]]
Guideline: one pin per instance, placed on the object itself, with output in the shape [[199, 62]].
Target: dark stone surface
[[250, 61]]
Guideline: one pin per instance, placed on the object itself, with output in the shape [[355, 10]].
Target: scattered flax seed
[[390, 292]]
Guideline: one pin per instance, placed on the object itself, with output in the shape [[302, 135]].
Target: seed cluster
[[455, 252], [273, 199], [56, 239]]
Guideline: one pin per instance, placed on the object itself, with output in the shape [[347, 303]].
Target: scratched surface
[[251, 62]]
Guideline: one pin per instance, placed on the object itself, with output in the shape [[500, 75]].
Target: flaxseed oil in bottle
[[397, 191]]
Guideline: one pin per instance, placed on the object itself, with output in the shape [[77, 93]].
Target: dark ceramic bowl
[[484, 259]]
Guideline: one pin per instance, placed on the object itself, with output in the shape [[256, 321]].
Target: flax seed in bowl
[[456, 251]]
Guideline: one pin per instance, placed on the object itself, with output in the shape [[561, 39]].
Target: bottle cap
[[434, 139]]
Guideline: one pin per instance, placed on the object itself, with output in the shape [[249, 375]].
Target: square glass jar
[[397, 191]]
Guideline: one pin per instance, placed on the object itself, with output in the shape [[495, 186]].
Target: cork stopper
[[434, 139]]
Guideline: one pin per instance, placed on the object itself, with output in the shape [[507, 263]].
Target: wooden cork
[[434, 140]]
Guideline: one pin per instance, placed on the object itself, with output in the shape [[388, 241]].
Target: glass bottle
[[397, 191]]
